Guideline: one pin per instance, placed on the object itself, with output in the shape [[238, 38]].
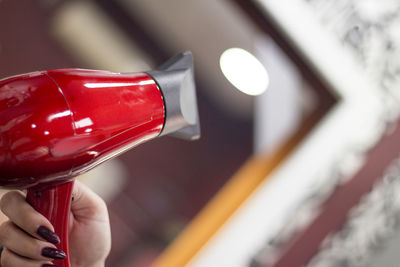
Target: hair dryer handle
[[55, 204]]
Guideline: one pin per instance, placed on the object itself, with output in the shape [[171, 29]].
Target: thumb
[[87, 205]]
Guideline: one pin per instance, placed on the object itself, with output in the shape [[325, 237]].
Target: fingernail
[[53, 253], [48, 235], [50, 265]]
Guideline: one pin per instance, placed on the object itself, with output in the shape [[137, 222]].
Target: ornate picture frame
[[274, 212]]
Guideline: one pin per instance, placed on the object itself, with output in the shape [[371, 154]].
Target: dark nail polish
[[48, 235], [53, 253], [50, 265]]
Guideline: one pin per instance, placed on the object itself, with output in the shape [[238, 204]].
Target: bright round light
[[244, 71]]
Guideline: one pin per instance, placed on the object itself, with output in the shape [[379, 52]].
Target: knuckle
[[5, 200], [8, 199], [100, 206]]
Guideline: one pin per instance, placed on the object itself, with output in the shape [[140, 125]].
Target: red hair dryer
[[55, 125]]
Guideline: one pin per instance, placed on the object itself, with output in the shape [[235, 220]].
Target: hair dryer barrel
[[57, 124], [176, 81]]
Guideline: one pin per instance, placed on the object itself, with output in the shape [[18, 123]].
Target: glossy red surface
[[55, 204], [57, 124], [111, 112], [27, 104]]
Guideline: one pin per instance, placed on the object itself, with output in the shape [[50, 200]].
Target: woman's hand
[[89, 232], [28, 237]]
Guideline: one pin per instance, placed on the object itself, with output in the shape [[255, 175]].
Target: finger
[[10, 259], [87, 204], [14, 239], [14, 206]]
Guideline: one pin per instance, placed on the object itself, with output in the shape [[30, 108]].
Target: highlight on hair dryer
[[55, 125]]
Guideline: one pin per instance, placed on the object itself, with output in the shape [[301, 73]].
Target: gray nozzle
[[176, 81]]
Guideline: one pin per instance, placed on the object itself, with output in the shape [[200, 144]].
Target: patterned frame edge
[[350, 129]]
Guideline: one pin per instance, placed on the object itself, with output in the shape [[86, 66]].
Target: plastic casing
[[57, 124]]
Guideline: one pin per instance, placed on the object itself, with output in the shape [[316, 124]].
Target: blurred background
[[259, 97]]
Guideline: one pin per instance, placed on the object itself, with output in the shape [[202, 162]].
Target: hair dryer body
[[55, 125]]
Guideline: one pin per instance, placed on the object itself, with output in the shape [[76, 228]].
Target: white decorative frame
[[339, 142]]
